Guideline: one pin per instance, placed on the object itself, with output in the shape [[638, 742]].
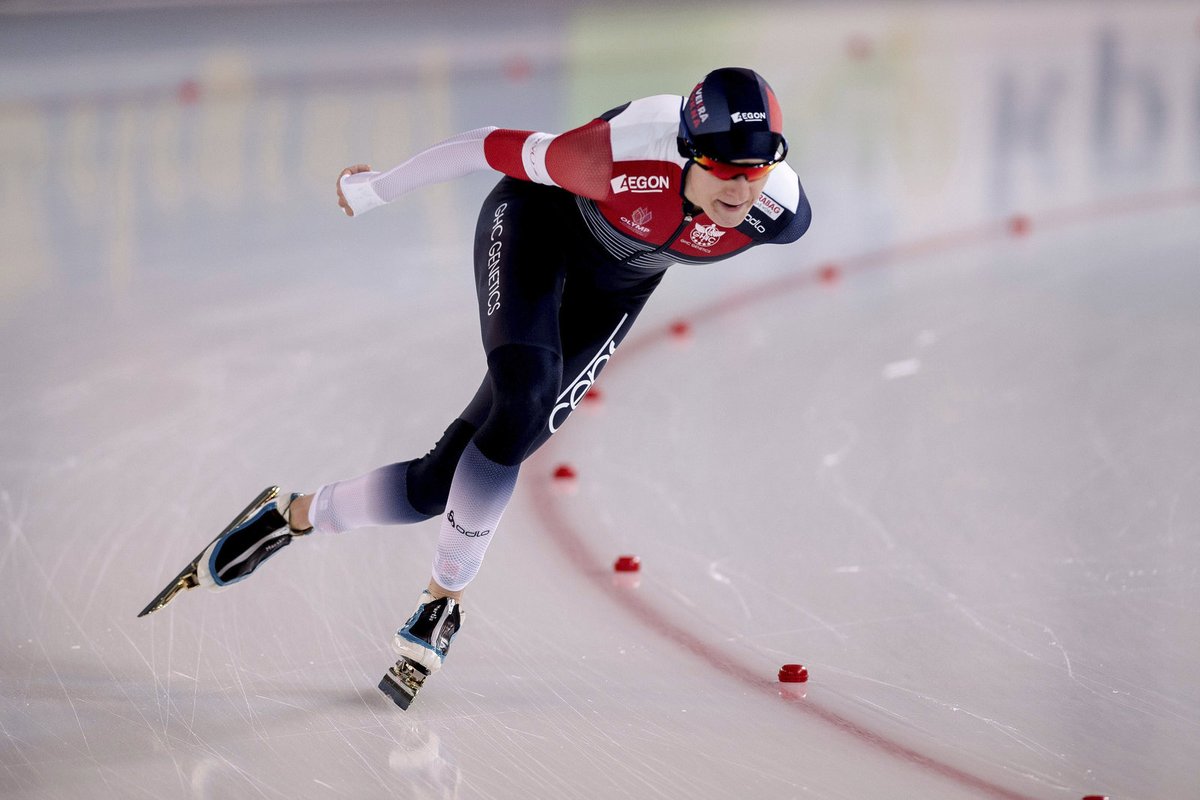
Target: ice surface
[[958, 480]]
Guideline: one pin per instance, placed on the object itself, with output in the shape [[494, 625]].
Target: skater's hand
[[354, 170]]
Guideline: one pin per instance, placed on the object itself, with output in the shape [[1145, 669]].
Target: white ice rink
[[944, 451]]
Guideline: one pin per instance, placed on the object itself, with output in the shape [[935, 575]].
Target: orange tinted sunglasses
[[725, 171]]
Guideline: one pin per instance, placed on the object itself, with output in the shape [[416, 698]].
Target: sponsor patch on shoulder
[[768, 206]]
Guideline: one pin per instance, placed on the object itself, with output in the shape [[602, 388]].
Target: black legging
[[553, 306]]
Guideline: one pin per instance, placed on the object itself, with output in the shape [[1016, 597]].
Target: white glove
[[358, 192]]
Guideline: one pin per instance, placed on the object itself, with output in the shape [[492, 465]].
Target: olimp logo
[[638, 220], [464, 531]]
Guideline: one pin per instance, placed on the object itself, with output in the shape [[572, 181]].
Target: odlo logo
[[464, 531], [748, 116]]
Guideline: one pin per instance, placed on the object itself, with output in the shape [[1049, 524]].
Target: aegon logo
[[640, 184], [748, 116]]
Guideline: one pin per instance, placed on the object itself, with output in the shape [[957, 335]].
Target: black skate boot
[[422, 645], [235, 554], [255, 535]]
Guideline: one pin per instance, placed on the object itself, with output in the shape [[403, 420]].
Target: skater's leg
[[524, 383], [397, 494], [593, 323], [378, 497], [525, 380], [519, 270], [410, 491], [405, 492]]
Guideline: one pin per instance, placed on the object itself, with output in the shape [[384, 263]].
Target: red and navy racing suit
[[568, 247]]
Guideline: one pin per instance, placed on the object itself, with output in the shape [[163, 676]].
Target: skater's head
[[731, 125], [731, 130]]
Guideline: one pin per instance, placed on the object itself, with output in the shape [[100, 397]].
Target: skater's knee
[[524, 367], [427, 482], [525, 382]]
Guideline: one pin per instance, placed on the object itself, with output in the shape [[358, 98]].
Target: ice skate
[[254, 535], [422, 645]]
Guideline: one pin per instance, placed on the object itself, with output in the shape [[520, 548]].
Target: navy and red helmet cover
[[732, 114]]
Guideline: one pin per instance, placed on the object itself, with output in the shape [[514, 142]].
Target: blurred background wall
[[131, 132]]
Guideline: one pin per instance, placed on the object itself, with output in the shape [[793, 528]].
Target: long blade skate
[[186, 579], [403, 681]]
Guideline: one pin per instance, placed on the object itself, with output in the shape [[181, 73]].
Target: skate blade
[[186, 579], [402, 682]]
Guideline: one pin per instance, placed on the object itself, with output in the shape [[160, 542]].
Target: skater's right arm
[[361, 190], [579, 161]]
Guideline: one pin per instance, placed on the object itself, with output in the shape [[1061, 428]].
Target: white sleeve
[[457, 156]]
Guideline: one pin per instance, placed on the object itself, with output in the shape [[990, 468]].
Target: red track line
[[573, 543]]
